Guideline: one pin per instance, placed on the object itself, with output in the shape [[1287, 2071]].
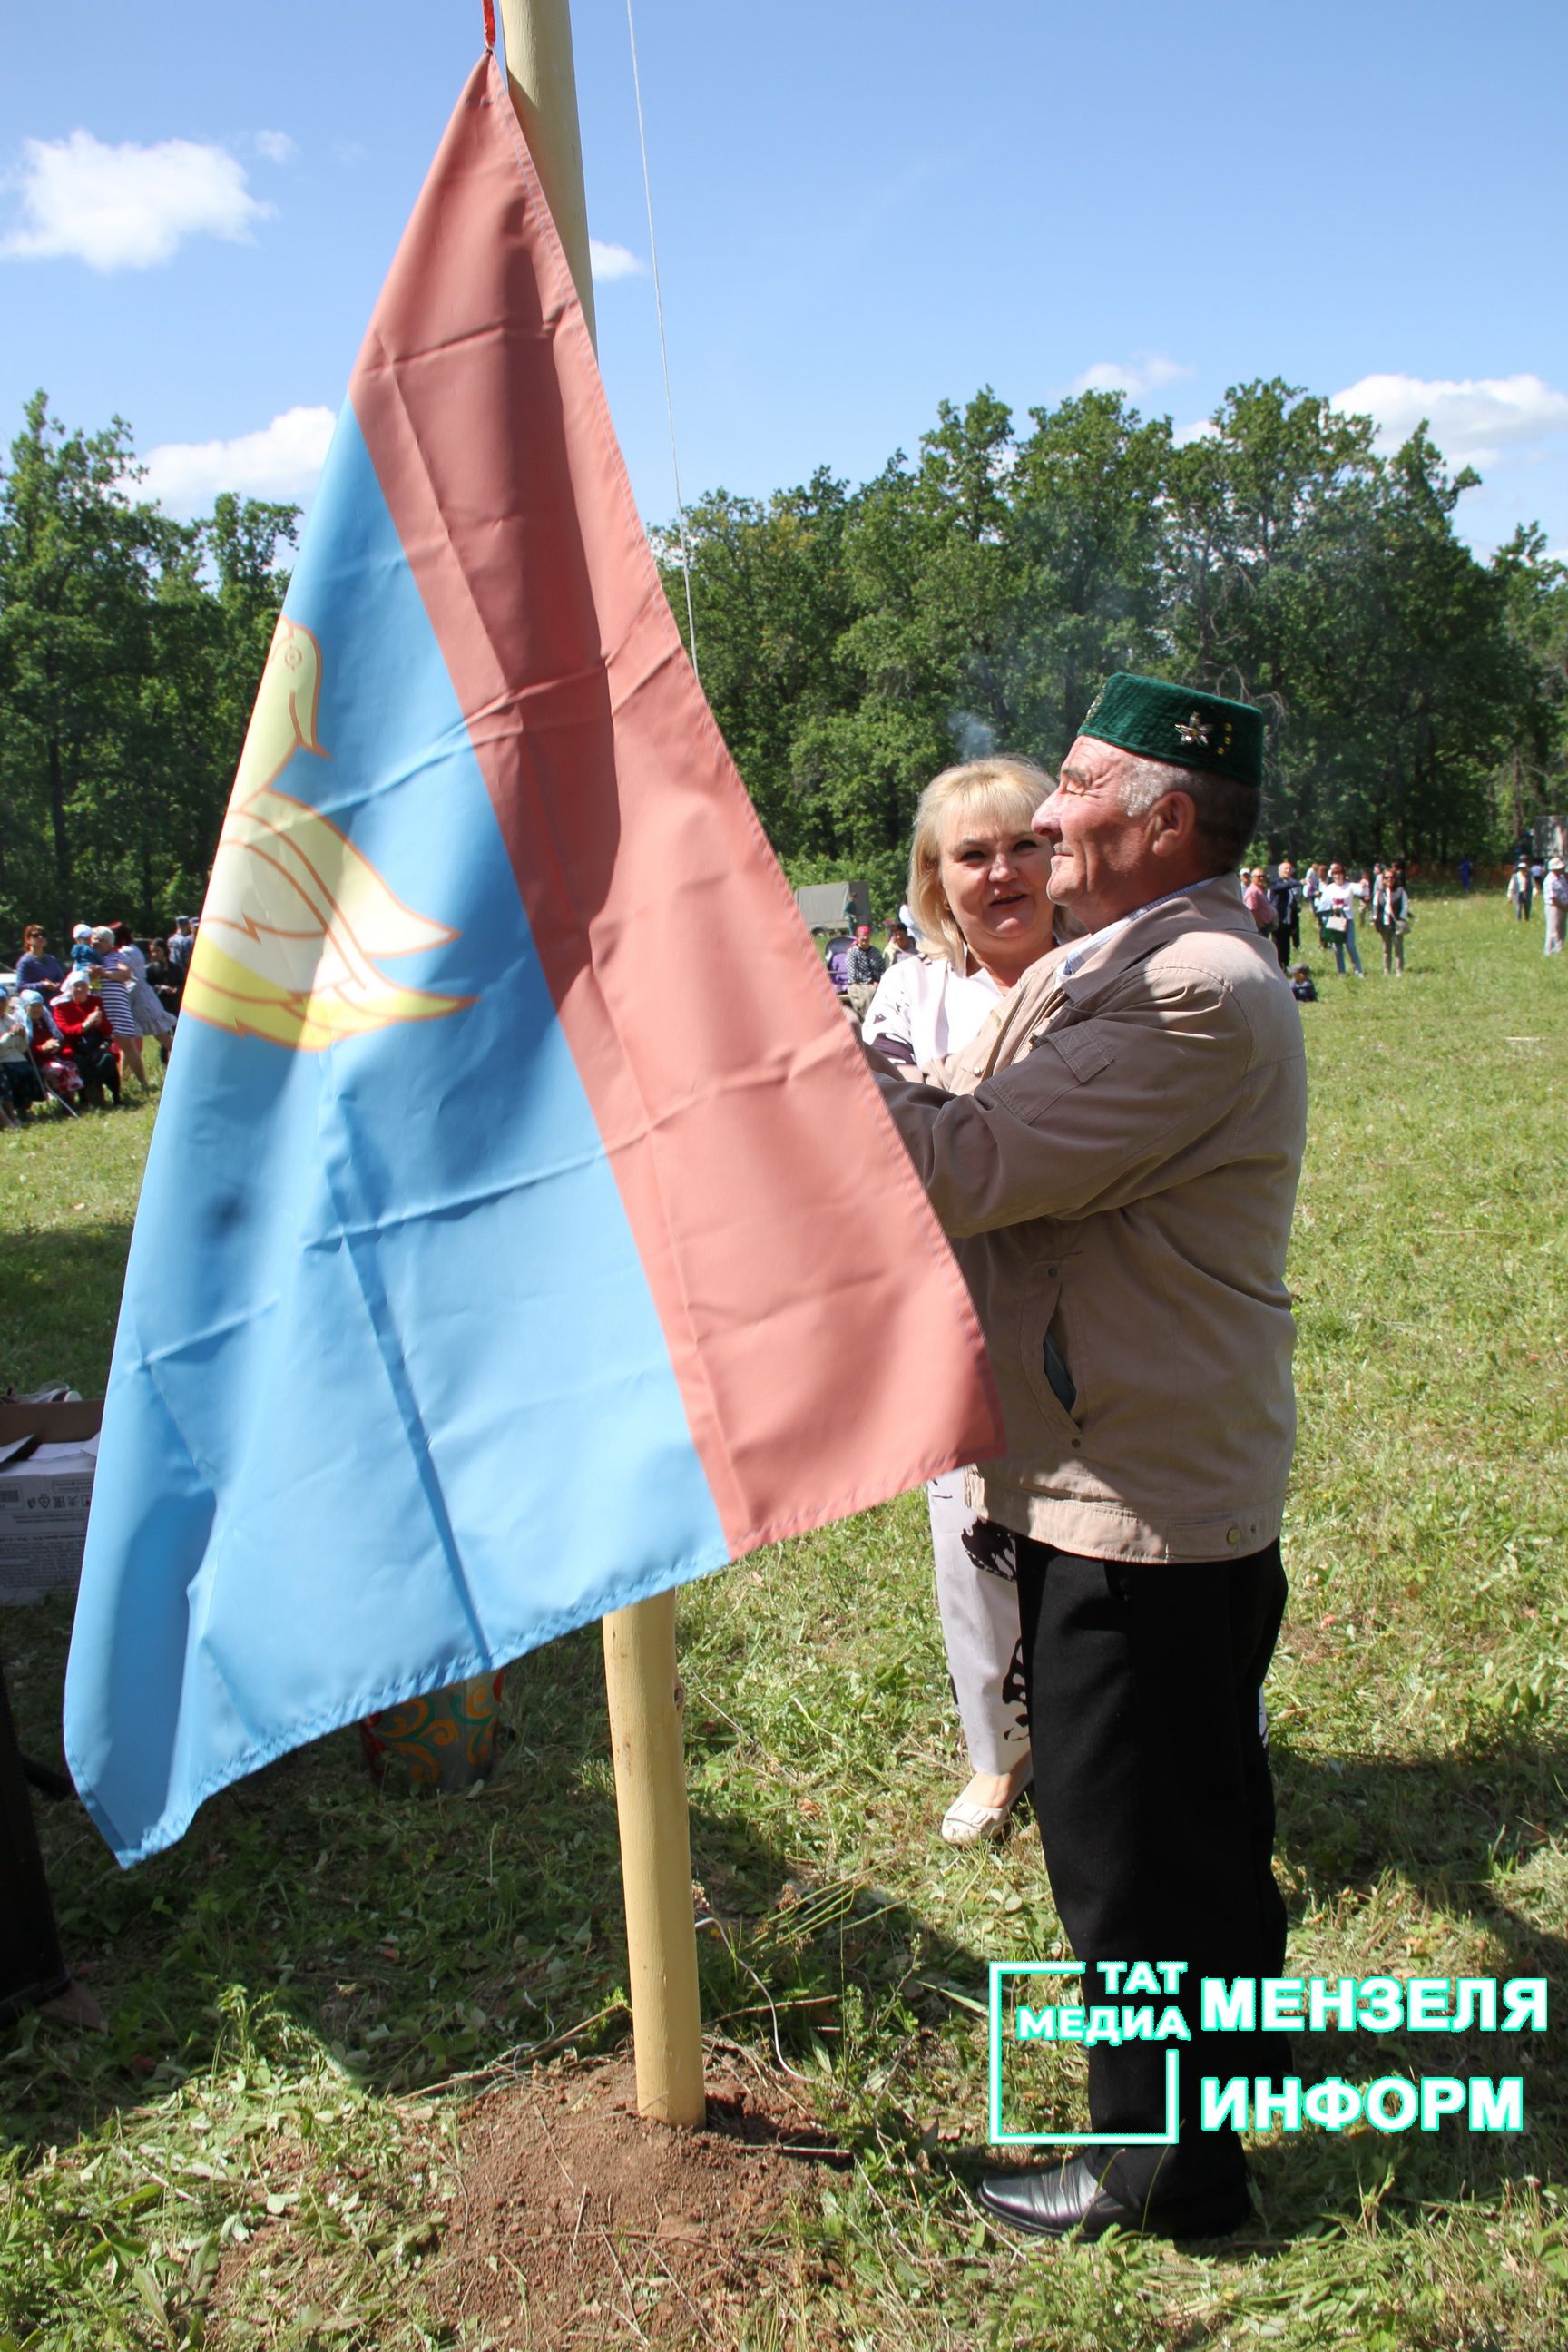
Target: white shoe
[[967, 1823]]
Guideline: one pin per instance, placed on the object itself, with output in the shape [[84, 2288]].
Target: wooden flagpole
[[642, 1683]]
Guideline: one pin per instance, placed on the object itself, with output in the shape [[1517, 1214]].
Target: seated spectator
[[1302, 987], [19, 1082], [839, 951], [36, 968], [47, 1050], [900, 943], [84, 1027], [866, 968]]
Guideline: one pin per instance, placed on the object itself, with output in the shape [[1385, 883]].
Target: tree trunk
[[63, 916]]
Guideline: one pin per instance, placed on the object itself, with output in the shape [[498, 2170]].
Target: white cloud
[[126, 207], [1146, 374], [1473, 420], [612, 261], [1202, 428], [276, 146], [282, 461]]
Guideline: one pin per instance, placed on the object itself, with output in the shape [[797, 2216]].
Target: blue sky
[[861, 207]]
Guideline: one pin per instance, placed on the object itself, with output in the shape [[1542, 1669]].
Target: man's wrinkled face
[[1100, 855]]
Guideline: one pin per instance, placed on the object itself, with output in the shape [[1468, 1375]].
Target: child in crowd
[[1302, 987]]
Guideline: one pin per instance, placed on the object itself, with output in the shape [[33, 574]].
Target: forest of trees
[[852, 641], [130, 648]]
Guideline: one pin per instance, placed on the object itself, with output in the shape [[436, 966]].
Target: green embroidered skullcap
[[1180, 725]]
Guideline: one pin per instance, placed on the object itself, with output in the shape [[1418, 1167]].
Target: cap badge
[[1193, 729]]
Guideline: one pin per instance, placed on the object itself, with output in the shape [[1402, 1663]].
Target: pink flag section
[[820, 1333]]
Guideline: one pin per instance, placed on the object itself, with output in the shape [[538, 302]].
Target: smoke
[[973, 739]]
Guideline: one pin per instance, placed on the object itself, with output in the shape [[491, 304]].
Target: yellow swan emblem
[[295, 919]]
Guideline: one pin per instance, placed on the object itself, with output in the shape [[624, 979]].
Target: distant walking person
[[1286, 896], [1554, 893], [1520, 891], [1391, 919], [1337, 913]]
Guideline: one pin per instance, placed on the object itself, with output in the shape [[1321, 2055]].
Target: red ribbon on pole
[[489, 24]]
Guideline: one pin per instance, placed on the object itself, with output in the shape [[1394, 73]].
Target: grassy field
[[318, 1977]]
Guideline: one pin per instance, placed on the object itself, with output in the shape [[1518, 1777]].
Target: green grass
[[292, 1992]]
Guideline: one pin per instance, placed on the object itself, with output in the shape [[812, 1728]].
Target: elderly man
[[866, 968], [1285, 895], [1120, 1190]]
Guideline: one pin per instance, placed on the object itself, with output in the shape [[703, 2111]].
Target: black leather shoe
[[1059, 2198]]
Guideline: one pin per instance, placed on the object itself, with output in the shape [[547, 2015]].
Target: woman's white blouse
[[924, 1005]]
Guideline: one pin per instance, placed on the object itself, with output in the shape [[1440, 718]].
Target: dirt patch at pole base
[[580, 2224]]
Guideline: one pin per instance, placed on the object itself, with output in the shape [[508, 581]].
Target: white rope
[[663, 348]]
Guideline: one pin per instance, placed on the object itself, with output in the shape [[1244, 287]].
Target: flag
[[522, 1233]]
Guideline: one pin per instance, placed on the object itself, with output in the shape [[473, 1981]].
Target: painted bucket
[[444, 1740]]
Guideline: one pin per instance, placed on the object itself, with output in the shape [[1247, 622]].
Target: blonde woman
[[977, 895]]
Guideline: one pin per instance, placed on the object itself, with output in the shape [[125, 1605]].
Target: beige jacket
[[1123, 1176]]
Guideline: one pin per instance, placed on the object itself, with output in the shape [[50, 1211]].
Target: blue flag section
[[356, 1273]]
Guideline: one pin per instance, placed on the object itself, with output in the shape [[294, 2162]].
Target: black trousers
[[31, 1968], [1156, 1814]]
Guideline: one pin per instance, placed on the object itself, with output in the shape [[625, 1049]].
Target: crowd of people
[[1548, 881], [72, 1030], [1329, 897], [1325, 895], [1275, 902]]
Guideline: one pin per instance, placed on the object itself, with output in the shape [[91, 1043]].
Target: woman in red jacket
[[84, 1025]]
